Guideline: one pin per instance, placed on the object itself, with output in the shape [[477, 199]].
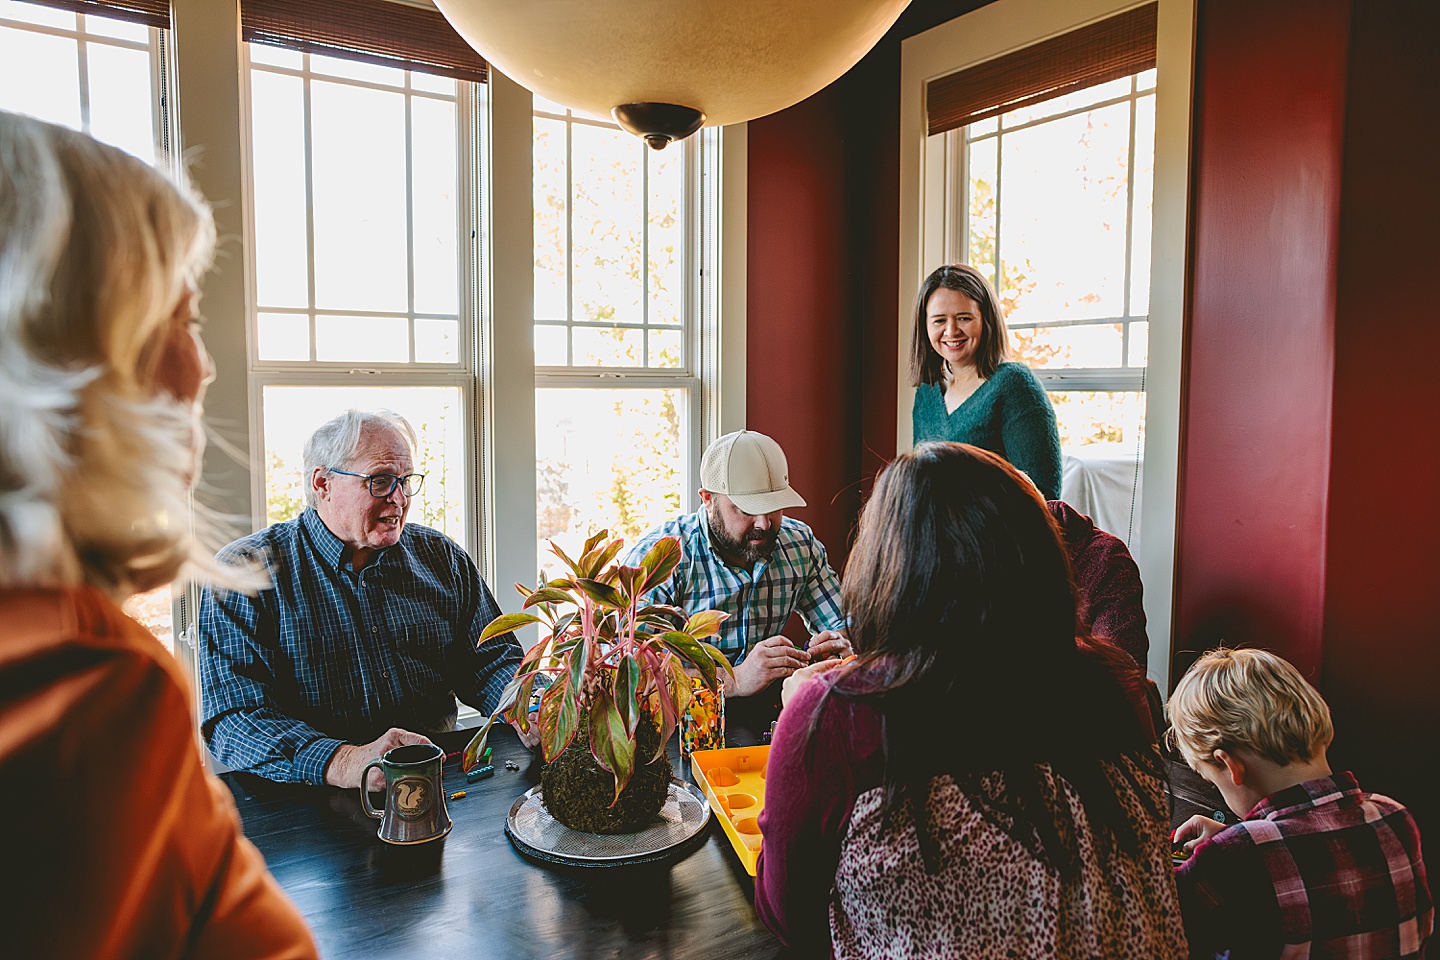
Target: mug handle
[[369, 809]]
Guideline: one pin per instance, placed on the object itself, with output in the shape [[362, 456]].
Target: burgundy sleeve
[[810, 789], [1110, 588]]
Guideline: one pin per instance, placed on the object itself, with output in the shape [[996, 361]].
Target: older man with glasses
[[368, 632]]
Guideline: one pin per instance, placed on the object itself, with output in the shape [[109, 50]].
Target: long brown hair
[[994, 349], [963, 614]]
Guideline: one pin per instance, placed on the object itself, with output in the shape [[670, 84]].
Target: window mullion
[[82, 50], [999, 209], [569, 239], [1129, 224], [309, 207], [410, 320]]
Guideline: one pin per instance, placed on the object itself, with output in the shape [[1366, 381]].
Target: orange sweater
[[115, 841]]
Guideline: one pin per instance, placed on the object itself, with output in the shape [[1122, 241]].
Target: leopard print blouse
[[989, 896]]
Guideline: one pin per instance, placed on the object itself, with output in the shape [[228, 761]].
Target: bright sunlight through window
[[358, 267], [1057, 213], [615, 330]]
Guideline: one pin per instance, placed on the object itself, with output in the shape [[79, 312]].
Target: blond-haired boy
[[1317, 868]]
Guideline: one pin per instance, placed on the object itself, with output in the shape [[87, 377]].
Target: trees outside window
[[1057, 213], [361, 264], [617, 324]]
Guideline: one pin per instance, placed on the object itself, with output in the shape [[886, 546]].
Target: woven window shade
[[374, 31], [152, 13], [1117, 47]]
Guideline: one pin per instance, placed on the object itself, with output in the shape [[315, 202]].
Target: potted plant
[[617, 683]]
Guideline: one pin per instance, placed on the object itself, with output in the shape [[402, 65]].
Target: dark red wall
[[823, 262], [801, 366], [1265, 201], [1309, 454], [1381, 664]]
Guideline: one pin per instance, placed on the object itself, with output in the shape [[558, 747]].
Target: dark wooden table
[[471, 895]]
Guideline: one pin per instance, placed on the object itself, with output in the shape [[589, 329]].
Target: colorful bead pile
[[703, 725]]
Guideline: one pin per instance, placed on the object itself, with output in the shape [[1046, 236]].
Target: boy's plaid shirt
[[1316, 870]]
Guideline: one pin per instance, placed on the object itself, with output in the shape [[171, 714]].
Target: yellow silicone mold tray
[[734, 783]]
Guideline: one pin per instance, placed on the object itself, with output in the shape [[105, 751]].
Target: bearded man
[[743, 556]]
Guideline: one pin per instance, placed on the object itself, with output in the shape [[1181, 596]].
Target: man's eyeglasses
[[383, 484]]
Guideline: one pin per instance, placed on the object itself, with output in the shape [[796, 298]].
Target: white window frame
[[954, 156], [470, 109], [992, 31], [698, 373]]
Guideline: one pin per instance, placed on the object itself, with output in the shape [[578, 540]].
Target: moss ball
[[577, 792]]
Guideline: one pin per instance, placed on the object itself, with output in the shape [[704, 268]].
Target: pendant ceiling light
[[665, 68]]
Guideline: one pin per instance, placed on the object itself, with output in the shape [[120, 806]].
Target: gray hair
[[96, 461], [338, 443]]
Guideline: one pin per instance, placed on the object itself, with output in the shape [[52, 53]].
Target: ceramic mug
[[414, 794]]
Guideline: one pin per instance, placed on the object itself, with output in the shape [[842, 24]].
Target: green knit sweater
[[1009, 414]]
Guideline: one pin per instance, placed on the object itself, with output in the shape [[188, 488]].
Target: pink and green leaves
[[608, 655]]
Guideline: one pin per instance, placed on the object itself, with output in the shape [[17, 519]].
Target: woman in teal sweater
[[967, 388]]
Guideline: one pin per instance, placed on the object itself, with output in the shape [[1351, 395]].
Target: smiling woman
[[967, 389]]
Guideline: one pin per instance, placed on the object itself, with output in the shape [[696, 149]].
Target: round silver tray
[[537, 834]]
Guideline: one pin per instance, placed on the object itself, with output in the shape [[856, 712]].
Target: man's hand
[[345, 767], [1195, 830], [773, 658], [804, 675], [827, 644]]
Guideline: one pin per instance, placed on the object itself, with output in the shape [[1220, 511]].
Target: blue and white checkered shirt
[[329, 655], [796, 578]]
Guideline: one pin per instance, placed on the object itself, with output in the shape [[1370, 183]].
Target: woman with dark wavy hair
[[977, 783]]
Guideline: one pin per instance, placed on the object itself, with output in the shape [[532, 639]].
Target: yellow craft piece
[[734, 783]]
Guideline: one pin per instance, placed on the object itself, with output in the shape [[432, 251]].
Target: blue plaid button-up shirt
[[330, 655], [796, 578]]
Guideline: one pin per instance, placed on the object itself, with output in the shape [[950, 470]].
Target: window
[[103, 76], [1013, 41], [1048, 170], [618, 326], [363, 266], [1057, 212], [106, 77]]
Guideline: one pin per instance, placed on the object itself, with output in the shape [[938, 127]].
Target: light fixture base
[[658, 124]]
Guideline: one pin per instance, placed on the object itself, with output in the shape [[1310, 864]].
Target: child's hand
[[1195, 830]]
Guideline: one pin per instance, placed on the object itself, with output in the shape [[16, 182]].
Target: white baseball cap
[[750, 469]]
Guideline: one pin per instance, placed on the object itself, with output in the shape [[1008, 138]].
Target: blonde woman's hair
[[1247, 698], [97, 249]]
